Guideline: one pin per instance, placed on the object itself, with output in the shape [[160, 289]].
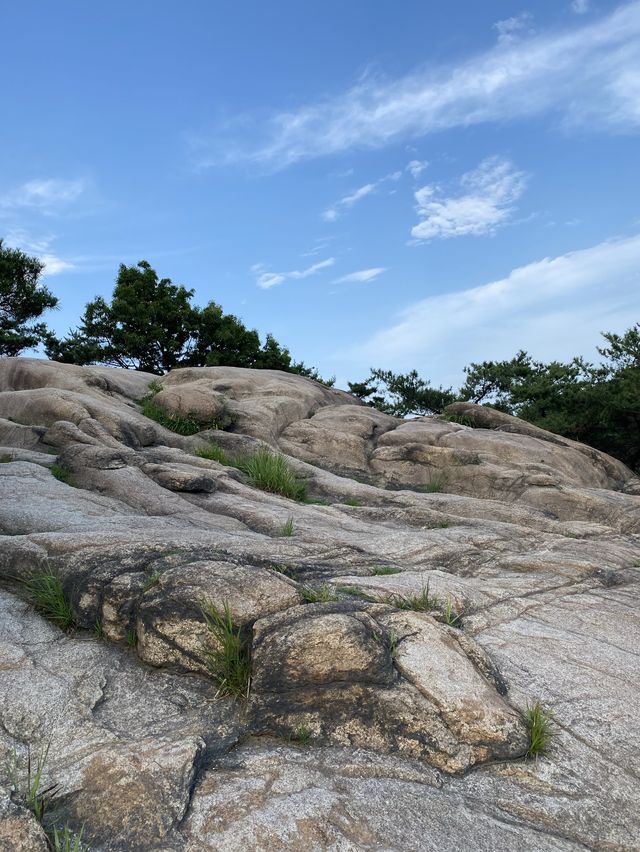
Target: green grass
[[539, 724], [151, 581], [214, 453], [323, 594], [351, 502], [228, 658], [64, 840], [384, 570], [45, 593], [5, 458], [301, 735], [271, 472], [98, 630], [461, 419], [423, 601], [286, 530], [174, 422], [437, 483], [450, 616], [32, 793], [154, 387], [355, 592], [61, 474], [132, 637], [281, 569]]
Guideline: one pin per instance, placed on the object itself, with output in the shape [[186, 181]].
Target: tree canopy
[[150, 324], [22, 299]]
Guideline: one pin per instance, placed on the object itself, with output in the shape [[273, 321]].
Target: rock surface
[[364, 717]]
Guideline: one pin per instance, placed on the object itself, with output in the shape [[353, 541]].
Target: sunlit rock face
[[440, 578]]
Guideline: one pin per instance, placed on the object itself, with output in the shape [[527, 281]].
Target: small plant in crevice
[[422, 601], [438, 482], [271, 472], [151, 581], [46, 594], [355, 592], [450, 616], [5, 458], [62, 475], [460, 419], [323, 594], [350, 501], [177, 423], [214, 453], [301, 735], [285, 570], [287, 529], [384, 570], [64, 840], [131, 637], [540, 728], [228, 655], [98, 630], [154, 387], [32, 793]]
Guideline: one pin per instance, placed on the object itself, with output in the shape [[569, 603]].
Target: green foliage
[[228, 658], [64, 840], [354, 592], [437, 483], [450, 616], [271, 472], [401, 395], [151, 581], [98, 630], [301, 735], [214, 453], [154, 387], [46, 594], [324, 594], [132, 637], [424, 601], [350, 501], [151, 324], [384, 570], [5, 458], [286, 530], [539, 724], [460, 419], [174, 422], [31, 792], [61, 474], [22, 299]]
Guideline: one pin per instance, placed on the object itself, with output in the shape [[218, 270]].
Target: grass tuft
[[424, 601], [461, 419], [174, 422], [132, 637], [32, 793], [61, 474], [214, 453], [151, 581], [351, 501], [540, 727], [98, 630], [5, 458], [64, 840], [437, 483], [384, 570], [324, 594], [271, 472], [47, 596], [301, 735], [228, 659], [450, 616], [286, 530], [154, 386]]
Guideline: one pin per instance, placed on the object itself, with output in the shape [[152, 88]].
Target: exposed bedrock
[[370, 722]]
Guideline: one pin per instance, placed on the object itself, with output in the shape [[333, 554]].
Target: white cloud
[[43, 194], [585, 72], [333, 212], [510, 28], [40, 246], [416, 167], [266, 279], [489, 193], [580, 6], [361, 275], [554, 308]]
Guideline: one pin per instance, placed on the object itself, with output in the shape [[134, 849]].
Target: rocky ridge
[[367, 725]]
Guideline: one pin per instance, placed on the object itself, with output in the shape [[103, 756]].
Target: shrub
[[540, 727], [228, 659], [271, 472], [46, 594]]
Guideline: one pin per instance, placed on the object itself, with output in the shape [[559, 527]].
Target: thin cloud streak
[[585, 73], [362, 275], [265, 279]]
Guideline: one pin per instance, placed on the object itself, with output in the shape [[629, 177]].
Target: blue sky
[[390, 184]]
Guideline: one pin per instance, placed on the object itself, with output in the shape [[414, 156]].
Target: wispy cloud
[[580, 6], [361, 275], [45, 195], [41, 247], [588, 74], [416, 167], [333, 212], [510, 29], [266, 279], [486, 202], [554, 308]]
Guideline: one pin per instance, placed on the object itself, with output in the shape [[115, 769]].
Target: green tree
[[150, 324], [22, 299], [402, 394]]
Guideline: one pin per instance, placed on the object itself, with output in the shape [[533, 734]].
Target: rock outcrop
[[443, 575]]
